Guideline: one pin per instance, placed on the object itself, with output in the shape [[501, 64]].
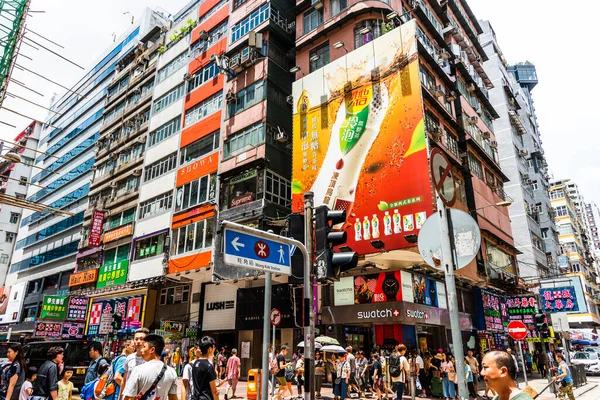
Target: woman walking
[[448, 377], [13, 375], [319, 373]]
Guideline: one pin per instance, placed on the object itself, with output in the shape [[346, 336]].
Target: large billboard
[[359, 141], [11, 303]]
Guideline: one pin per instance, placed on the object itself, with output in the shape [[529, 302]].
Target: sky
[[559, 40]]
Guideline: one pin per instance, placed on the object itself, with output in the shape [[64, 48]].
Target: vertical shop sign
[[96, 228]]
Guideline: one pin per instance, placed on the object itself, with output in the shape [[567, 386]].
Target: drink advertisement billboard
[[359, 141]]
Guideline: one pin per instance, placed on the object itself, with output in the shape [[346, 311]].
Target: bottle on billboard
[[366, 228], [408, 222], [357, 230], [420, 219], [375, 226], [397, 222], [356, 127], [387, 224]]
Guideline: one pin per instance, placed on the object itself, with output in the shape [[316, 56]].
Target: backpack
[[274, 366], [106, 382], [395, 366]]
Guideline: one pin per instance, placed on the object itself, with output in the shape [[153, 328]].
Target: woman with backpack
[[13, 375]]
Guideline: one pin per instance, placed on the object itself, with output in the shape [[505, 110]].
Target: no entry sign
[[517, 330], [441, 174]]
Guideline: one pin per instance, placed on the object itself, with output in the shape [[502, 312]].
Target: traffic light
[[331, 264], [116, 322], [541, 325], [295, 230]]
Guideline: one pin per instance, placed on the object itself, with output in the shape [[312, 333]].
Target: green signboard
[[54, 307], [112, 274]]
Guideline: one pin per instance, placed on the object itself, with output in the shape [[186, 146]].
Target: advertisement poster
[[96, 228], [50, 330], [72, 330], [4, 293], [492, 312], [112, 274], [424, 291], [77, 309], [377, 288], [407, 290], [54, 307], [357, 126], [561, 299], [101, 314], [343, 291], [15, 295], [522, 308]]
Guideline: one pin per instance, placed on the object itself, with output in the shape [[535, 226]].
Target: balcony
[[507, 274], [427, 17]]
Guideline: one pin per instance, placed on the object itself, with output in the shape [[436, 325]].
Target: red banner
[[96, 228]]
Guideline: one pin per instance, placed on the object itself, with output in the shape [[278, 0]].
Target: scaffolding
[[12, 26]]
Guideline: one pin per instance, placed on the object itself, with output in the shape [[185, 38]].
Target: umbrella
[[317, 345], [326, 340], [333, 348]]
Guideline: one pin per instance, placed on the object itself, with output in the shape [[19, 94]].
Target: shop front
[[218, 314]]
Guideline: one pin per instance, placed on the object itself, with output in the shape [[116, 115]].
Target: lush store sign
[[113, 274], [561, 299]]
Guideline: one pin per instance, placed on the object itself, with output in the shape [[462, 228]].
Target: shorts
[[378, 384], [281, 381], [232, 382]]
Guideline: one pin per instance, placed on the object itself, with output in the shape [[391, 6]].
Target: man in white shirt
[[420, 371], [135, 358], [140, 385]]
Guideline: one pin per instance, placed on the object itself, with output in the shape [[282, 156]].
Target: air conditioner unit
[[187, 77], [523, 153], [113, 184], [230, 96], [255, 39], [471, 87], [448, 29], [439, 91], [455, 49], [494, 144], [245, 57], [141, 139], [451, 96], [472, 120], [317, 4], [281, 136], [234, 64], [444, 55], [485, 134], [137, 172], [290, 99], [203, 35]]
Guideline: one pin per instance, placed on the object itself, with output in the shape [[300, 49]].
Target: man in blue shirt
[[564, 376], [96, 365]]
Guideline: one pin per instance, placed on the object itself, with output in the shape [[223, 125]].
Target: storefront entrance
[[430, 338]]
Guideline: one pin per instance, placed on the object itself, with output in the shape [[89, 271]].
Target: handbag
[[452, 376], [338, 380], [151, 388]]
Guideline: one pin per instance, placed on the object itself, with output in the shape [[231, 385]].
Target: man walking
[[565, 378], [280, 375], [352, 379], [135, 358], [153, 379], [499, 371], [96, 365], [474, 364], [233, 373], [45, 385]]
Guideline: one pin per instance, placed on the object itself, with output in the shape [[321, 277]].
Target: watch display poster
[[407, 291], [377, 288], [424, 291]]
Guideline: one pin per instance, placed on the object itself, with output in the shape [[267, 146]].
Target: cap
[[440, 350]]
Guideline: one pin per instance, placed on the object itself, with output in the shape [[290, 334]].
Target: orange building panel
[[200, 129]]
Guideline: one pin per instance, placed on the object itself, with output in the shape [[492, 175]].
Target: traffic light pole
[[309, 322], [449, 261]]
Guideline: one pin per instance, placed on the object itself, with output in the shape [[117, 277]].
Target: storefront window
[[149, 247], [242, 189], [174, 295]]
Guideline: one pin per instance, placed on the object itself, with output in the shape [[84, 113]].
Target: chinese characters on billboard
[[96, 228], [77, 309], [49, 330], [101, 314], [524, 308], [358, 125], [54, 307], [492, 311], [561, 299]]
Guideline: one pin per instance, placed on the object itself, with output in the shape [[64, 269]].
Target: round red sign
[[262, 249], [517, 330]]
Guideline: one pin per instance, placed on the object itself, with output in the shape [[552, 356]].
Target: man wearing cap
[[280, 376]]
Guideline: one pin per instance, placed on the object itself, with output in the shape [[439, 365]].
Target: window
[[177, 63], [204, 75], [160, 167], [545, 233], [214, 36], [245, 139], [203, 109], [475, 166], [534, 185], [312, 19], [42, 258], [10, 237], [199, 148], [167, 99], [117, 254], [242, 189], [557, 194], [156, 205], [256, 18], [14, 218], [246, 98], [3, 258], [367, 31], [174, 295], [121, 218], [23, 181], [196, 192], [127, 185], [164, 131], [278, 189], [20, 196], [51, 230], [150, 247], [319, 57], [426, 78], [561, 211], [489, 178], [195, 236], [338, 6], [212, 11]]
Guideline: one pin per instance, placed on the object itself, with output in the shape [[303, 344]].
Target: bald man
[[498, 370]]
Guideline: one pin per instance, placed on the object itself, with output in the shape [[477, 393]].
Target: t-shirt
[[203, 373], [26, 386], [377, 366], [474, 364], [187, 375], [232, 367], [419, 361], [64, 389], [47, 379], [352, 361], [143, 376], [280, 363], [118, 366], [8, 372], [132, 361], [468, 373], [402, 364], [520, 396]]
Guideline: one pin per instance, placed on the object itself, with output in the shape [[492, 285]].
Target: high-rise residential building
[[14, 179], [592, 215], [48, 243], [521, 157]]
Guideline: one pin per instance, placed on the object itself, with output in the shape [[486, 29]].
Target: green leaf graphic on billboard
[[418, 141], [352, 129]]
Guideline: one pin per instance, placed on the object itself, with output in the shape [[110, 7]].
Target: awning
[[89, 252]]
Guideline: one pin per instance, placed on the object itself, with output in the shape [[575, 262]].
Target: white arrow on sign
[[292, 249], [236, 244]]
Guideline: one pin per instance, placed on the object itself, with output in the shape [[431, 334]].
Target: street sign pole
[[265, 357], [449, 260], [274, 355], [520, 344], [309, 322]]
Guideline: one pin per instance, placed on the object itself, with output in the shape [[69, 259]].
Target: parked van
[[76, 356]]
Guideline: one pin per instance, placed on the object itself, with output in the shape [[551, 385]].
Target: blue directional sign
[[249, 251]]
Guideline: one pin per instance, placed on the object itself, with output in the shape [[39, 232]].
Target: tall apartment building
[[14, 178], [454, 104], [521, 157], [592, 215], [48, 243]]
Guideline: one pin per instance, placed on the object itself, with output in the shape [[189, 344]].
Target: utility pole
[[266, 322], [449, 261], [309, 336]]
